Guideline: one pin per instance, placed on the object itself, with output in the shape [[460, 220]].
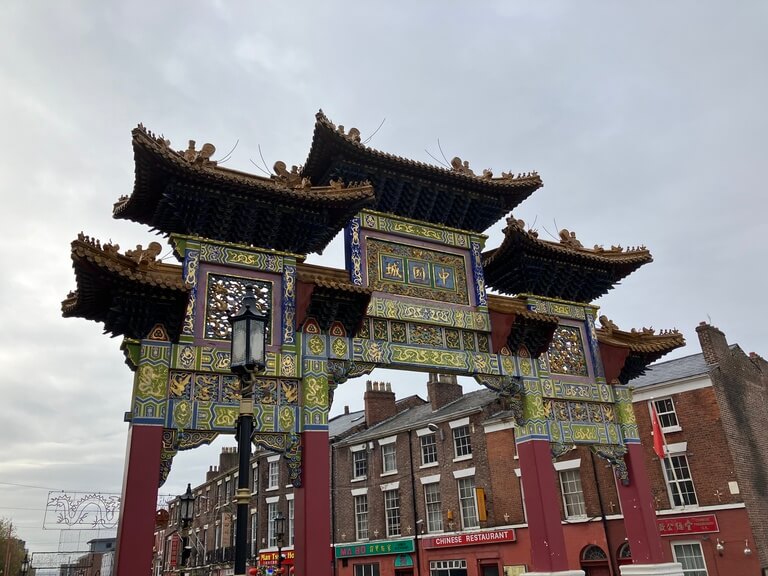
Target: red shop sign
[[270, 558], [470, 538], [688, 525]]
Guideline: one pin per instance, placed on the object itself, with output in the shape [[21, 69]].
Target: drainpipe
[[416, 544], [604, 520]]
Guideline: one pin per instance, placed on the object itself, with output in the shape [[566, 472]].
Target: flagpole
[[667, 454]]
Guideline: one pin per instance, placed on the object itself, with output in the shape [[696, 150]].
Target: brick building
[[431, 487]]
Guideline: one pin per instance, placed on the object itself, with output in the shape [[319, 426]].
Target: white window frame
[[362, 526], [369, 569], [688, 571], [362, 455], [466, 441], [273, 474], [254, 532], [570, 478], [255, 478], [389, 449], [469, 502], [432, 508], [664, 408], [392, 517], [272, 509], [291, 523], [678, 451], [424, 442]]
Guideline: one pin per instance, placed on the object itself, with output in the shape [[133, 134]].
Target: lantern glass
[[248, 335], [279, 524], [239, 343], [186, 506]]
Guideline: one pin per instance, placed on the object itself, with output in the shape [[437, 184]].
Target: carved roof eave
[[530, 329], [510, 190], [146, 146], [141, 268], [643, 341], [329, 278], [104, 276], [334, 297], [516, 238], [644, 348]]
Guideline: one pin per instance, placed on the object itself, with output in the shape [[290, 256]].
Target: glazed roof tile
[[421, 415], [454, 197], [676, 369], [187, 193], [566, 270]]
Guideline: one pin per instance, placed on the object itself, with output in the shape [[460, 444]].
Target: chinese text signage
[[688, 525], [471, 538], [370, 549]]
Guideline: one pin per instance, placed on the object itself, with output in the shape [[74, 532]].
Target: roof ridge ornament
[[293, 179], [607, 324], [462, 167], [200, 157], [569, 239]]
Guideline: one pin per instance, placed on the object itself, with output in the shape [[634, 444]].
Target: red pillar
[[638, 510], [542, 503], [312, 521], [135, 532]]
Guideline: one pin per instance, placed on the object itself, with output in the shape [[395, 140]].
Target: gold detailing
[[461, 167], [201, 157], [292, 179]]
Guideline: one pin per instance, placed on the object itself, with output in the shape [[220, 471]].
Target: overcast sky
[[647, 122]]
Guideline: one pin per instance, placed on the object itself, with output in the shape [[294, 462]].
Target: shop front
[[485, 553], [384, 557], [268, 562]]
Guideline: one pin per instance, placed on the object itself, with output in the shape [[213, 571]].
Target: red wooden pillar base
[[312, 522], [638, 510], [542, 502], [136, 529]]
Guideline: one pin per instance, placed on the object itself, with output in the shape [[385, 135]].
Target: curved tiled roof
[[454, 197], [644, 346], [187, 193], [524, 263], [130, 293]]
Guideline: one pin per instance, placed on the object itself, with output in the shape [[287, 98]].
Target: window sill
[[462, 458], [390, 473], [669, 429], [271, 488], [359, 479], [580, 518], [430, 465]]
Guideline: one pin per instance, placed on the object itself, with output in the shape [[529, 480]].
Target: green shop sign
[[373, 548]]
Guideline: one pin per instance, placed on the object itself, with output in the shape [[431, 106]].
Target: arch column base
[[666, 569]]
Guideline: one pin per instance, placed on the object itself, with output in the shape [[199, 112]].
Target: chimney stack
[[379, 402], [442, 389], [713, 342]]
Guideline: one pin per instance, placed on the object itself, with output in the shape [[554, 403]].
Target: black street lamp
[[278, 527], [247, 357], [186, 512], [25, 564]]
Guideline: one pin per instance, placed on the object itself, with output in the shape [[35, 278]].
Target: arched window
[[624, 554], [593, 553]]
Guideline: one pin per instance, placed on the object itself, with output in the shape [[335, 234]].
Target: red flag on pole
[[658, 435]]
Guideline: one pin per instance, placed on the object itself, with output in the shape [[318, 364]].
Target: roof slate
[[421, 415], [677, 369]]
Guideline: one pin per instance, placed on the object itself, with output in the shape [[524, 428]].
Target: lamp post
[[247, 357], [279, 529], [25, 565], [186, 512]]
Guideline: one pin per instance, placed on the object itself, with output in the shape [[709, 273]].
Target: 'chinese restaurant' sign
[[373, 548], [471, 538], [688, 525], [269, 558]]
